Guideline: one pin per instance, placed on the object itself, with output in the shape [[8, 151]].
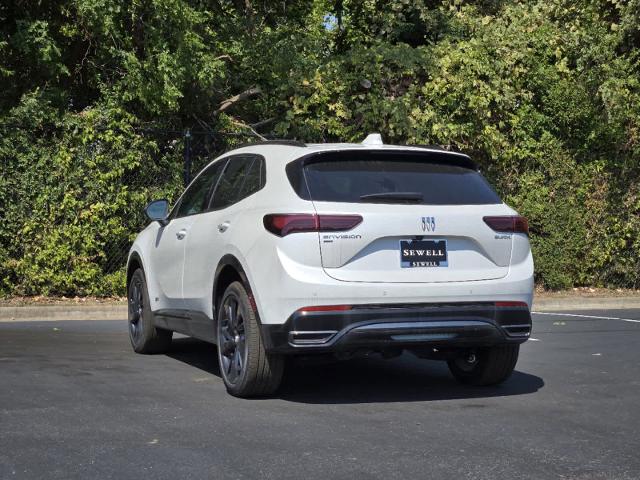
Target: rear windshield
[[391, 178]]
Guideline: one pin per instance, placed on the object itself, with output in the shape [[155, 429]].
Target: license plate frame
[[426, 253]]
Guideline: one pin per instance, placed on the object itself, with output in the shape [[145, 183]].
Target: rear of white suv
[[348, 249]]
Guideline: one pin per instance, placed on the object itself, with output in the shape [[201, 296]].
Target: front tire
[[485, 366], [246, 368], [144, 336]]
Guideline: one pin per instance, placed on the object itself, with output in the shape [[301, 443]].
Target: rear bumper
[[379, 327]]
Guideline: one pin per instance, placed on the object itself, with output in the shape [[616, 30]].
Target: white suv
[[284, 248]]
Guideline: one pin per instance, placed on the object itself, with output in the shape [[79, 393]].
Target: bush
[[75, 198]]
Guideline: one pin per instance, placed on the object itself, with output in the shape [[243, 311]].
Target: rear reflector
[[286, 223], [325, 308], [508, 224], [511, 304]]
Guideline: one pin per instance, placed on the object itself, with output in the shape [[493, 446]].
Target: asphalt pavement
[[76, 402]]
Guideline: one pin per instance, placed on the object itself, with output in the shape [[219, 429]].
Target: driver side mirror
[[158, 211]]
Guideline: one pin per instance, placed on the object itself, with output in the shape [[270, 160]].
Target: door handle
[[222, 227], [181, 234]]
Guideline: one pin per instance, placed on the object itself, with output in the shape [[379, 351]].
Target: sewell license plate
[[423, 253]]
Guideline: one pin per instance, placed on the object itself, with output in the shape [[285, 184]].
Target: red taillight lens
[[325, 308], [286, 223], [511, 304], [509, 224], [338, 223], [282, 225]]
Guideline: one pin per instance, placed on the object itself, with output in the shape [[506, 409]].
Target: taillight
[[283, 224], [338, 223], [509, 224]]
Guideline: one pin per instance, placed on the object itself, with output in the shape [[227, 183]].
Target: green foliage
[[96, 95], [76, 196], [544, 95]]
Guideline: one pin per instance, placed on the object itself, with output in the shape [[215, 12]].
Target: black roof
[[291, 143]]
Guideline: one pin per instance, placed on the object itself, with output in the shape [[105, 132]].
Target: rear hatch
[[422, 216]]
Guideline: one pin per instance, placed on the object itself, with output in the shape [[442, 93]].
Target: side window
[[231, 186], [195, 198], [253, 179]]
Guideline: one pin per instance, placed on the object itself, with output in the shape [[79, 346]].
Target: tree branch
[[262, 123], [237, 122], [251, 92]]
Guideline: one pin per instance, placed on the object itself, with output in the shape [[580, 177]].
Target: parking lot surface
[[76, 402]]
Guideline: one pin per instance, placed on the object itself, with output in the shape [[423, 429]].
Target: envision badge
[[332, 237], [428, 224]]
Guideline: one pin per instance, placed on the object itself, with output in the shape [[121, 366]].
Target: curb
[[43, 313], [585, 303], [30, 313]]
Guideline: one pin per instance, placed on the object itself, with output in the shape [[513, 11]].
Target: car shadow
[[364, 380], [196, 353]]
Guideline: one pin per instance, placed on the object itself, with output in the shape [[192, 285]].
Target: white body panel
[[287, 273], [213, 235], [166, 253], [371, 251]]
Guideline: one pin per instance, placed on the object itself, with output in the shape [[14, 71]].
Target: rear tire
[[246, 368], [144, 336], [485, 366]]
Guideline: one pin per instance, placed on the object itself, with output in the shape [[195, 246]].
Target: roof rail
[[291, 143]]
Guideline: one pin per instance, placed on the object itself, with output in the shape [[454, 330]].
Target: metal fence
[[199, 147]]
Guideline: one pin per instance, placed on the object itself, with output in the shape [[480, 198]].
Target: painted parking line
[[586, 316]]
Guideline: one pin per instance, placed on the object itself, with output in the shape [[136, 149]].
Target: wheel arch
[[230, 269], [134, 262]]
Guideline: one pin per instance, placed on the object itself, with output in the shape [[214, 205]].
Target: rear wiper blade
[[394, 196]]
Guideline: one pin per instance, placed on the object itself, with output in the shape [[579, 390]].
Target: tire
[[246, 368], [144, 336], [490, 365]]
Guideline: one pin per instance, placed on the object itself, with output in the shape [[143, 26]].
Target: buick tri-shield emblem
[[428, 224]]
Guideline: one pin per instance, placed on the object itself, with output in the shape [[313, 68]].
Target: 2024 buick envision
[[284, 248]]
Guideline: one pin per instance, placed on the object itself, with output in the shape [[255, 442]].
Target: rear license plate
[[423, 253]]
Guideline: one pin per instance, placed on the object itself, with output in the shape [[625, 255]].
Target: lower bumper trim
[[414, 325], [424, 337], [384, 326], [318, 337]]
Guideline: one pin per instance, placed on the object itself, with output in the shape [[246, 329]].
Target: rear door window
[[379, 177], [253, 180], [195, 199], [242, 177]]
